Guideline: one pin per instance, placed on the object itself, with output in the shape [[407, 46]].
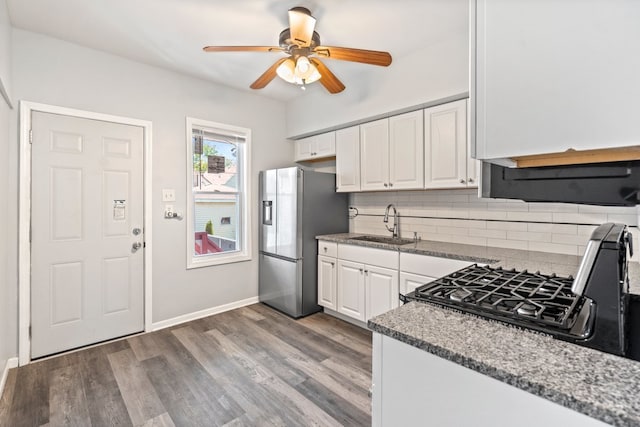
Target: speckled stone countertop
[[544, 262], [597, 384]]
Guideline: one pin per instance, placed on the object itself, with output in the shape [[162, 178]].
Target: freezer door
[[280, 284], [289, 232], [268, 210]]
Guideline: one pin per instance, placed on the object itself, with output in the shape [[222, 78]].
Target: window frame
[[244, 191]]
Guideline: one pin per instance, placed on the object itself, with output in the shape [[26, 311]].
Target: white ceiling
[[171, 33]]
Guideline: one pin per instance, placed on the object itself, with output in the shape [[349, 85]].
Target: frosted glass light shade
[[300, 72]]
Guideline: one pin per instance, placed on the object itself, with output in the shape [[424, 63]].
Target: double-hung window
[[218, 185]]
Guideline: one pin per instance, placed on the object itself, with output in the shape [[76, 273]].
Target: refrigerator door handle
[[267, 212]]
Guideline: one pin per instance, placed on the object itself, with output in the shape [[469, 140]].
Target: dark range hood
[[605, 184]]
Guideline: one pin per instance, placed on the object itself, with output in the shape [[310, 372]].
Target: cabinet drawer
[[327, 248], [430, 265], [371, 256]]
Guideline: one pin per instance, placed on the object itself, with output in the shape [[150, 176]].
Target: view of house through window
[[218, 214]]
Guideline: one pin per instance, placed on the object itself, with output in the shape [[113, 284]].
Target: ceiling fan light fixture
[[286, 71], [300, 72]]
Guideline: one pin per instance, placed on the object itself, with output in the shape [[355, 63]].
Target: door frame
[[24, 214]]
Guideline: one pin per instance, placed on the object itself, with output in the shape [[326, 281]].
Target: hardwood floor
[[252, 366]]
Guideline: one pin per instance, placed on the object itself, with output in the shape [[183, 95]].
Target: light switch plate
[[168, 195]]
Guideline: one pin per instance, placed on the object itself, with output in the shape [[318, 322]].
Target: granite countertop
[[597, 384], [544, 262]]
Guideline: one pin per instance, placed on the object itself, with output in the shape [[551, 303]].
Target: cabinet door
[[374, 150], [406, 151], [350, 285], [304, 148], [381, 290], [348, 159], [410, 281], [325, 145], [445, 143], [327, 282], [551, 76]]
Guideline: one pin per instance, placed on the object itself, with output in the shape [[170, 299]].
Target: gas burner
[[459, 295], [527, 309]]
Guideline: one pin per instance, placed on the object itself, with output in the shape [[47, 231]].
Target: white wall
[[51, 71], [438, 71], [8, 287]]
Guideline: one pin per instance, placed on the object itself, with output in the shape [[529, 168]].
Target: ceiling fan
[[302, 45]]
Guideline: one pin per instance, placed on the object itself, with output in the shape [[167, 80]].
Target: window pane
[[215, 164], [215, 223]]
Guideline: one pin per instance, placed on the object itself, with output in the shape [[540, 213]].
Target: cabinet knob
[[471, 180], [361, 271], [325, 249], [333, 264], [391, 184], [462, 181], [386, 185]]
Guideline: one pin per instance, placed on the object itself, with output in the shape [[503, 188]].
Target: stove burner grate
[[520, 295]]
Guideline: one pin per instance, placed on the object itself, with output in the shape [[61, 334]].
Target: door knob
[[136, 231], [136, 246]]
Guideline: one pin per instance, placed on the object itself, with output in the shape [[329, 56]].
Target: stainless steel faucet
[[394, 230]]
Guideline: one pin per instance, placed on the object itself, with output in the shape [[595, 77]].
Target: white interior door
[[86, 224]]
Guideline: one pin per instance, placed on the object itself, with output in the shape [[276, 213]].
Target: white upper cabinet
[[447, 163], [550, 76], [348, 159], [374, 155], [316, 147], [406, 148], [391, 153]]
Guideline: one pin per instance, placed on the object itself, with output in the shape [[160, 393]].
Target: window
[[218, 211]]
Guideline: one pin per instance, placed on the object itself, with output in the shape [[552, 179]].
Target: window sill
[[220, 259]]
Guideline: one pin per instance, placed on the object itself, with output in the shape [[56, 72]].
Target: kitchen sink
[[383, 239]]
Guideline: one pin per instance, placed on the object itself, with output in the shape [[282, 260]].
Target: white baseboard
[[203, 313], [11, 363]]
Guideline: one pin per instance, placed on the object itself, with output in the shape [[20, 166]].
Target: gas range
[[531, 300], [592, 310]]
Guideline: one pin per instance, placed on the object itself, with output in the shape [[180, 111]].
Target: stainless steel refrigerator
[[296, 205]]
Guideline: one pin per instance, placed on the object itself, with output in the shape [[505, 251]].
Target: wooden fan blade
[[328, 79], [267, 76], [373, 57], [301, 26], [242, 49]]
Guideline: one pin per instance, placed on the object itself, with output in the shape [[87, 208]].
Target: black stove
[[594, 309], [531, 300]]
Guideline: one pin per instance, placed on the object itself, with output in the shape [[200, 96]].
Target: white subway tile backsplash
[[630, 220], [508, 244], [493, 234], [530, 216], [529, 236], [579, 218], [507, 226], [461, 216]]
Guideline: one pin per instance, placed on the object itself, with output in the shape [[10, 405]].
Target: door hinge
[[144, 244], [30, 136], [29, 331]]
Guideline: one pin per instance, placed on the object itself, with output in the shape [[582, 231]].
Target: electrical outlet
[[168, 195], [168, 211]]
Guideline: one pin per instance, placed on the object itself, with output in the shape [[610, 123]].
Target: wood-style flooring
[[252, 366]]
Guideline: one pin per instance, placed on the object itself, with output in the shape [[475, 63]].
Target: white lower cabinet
[[381, 290], [360, 283], [452, 395], [410, 281], [327, 282], [351, 290]]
